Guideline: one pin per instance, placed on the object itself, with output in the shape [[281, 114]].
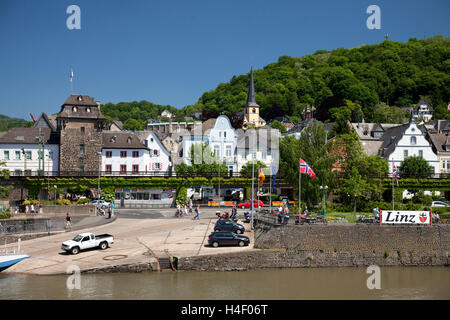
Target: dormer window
[[88, 109], [74, 109], [113, 139], [129, 140], [79, 98]]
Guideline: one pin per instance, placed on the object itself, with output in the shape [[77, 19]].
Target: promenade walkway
[[137, 241]]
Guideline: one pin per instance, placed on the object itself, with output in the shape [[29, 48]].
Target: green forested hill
[[394, 73], [7, 123]]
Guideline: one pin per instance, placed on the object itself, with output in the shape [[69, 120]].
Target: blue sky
[[171, 51]]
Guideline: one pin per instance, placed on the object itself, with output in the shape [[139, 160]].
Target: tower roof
[[251, 100]]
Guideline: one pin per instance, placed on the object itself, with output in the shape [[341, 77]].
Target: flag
[[274, 175], [261, 177], [395, 174], [313, 108], [71, 74], [306, 169]]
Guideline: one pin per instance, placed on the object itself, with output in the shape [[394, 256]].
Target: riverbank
[[152, 243]]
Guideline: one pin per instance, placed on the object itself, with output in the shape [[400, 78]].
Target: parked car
[[439, 204], [248, 204], [226, 238], [85, 241], [229, 225]]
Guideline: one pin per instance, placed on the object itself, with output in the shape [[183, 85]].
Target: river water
[[263, 284]]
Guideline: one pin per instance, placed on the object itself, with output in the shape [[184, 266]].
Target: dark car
[[226, 238], [229, 225]]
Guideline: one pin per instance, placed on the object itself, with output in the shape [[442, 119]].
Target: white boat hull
[[9, 260]]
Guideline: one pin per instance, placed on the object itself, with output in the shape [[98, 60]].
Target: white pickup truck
[[85, 241]]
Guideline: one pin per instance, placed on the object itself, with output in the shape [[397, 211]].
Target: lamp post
[[253, 179], [99, 171], [55, 191], [324, 188]]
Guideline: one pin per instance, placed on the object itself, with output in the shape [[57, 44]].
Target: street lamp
[[99, 171], [324, 188], [55, 191]]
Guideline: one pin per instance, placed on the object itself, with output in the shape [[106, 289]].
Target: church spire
[[251, 100]]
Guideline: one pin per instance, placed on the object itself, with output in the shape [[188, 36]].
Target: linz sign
[[405, 217]]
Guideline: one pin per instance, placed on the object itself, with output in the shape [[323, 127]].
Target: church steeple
[[251, 100]]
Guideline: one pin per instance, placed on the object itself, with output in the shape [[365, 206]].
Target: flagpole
[[299, 190], [392, 192], [270, 189]]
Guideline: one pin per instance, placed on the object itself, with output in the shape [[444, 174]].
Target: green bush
[[5, 214], [84, 200]]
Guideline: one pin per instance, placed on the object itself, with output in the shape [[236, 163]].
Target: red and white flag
[[306, 169]]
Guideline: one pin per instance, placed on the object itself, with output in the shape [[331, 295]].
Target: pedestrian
[[40, 208], [68, 221], [197, 213], [112, 208], [190, 205], [109, 212], [178, 210], [186, 210], [26, 209], [32, 208]]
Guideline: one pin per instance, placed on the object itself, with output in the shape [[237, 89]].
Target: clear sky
[[171, 51]]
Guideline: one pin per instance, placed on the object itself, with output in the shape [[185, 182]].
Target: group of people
[[109, 209], [283, 214], [31, 209], [187, 210]]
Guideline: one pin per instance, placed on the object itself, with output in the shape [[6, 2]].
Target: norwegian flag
[[395, 173], [306, 169]]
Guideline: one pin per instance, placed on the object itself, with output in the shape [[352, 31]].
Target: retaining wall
[[335, 245]]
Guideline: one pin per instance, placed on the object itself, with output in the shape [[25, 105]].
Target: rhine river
[[269, 284]]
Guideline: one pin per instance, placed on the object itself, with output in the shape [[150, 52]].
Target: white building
[[263, 143], [423, 111], [405, 141], [22, 153], [219, 135], [132, 154]]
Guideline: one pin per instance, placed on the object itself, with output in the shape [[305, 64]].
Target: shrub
[[63, 202], [84, 200], [5, 214]]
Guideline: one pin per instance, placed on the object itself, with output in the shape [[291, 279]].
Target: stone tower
[[80, 124]]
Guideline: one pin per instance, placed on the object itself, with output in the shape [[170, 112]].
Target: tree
[[312, 148], [132, 124], [415, 166], [4, 176], [246, 170], [278, 125], [203, 163]]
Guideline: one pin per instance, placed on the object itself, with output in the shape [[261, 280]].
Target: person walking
[[197, 213], [40, 208], [186, 210], [26, 209], [32, 208], [68, 221], [109, 212]]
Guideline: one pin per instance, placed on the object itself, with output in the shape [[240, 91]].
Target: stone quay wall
[[293, 246]]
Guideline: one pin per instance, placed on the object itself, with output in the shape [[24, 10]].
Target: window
[[405, 153], [123, 154], [88, 109], [413, 140], [28, 172], [50, 155], [420, 153], [123, 168], [157, 166], [6, 155], [155, 153], [82, 130], [216, 151], [224, 134], [39, 155], [81, 167], [17, 155], [135, 154], [220, 134], [81, 148], [109, 154], [17, 172], [135, 168], [108, 168], [228, 151]]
